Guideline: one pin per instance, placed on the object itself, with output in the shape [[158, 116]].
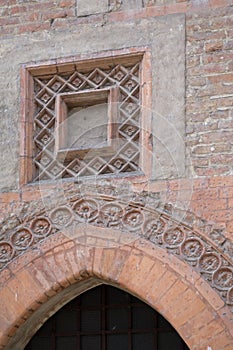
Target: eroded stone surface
[[85, 8]]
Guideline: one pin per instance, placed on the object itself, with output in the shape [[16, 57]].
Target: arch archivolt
[[97, 238], [129, 220]]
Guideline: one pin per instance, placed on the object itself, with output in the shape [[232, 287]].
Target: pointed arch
[[59, 253]]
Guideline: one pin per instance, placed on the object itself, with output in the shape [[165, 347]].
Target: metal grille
[[106, 318], [125, 158]]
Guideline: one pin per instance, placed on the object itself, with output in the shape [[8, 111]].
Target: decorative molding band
[[139, 215]]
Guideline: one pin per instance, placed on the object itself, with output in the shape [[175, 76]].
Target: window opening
[[86, 118], [106, 318]]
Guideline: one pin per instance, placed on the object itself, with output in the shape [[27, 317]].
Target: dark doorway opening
[[106, 318]]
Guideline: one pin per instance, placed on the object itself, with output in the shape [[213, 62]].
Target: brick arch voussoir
[[160, 279]]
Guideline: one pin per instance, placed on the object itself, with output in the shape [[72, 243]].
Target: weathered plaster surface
[[166, 39]]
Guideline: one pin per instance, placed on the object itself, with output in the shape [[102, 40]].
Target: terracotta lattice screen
[[84, 118]]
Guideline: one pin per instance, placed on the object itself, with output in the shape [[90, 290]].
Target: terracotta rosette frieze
[[133, 218]]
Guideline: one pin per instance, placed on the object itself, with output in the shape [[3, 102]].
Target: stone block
[[131, 4], [91, 7]]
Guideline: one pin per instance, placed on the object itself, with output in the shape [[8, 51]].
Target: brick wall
[[209, 81], [207, 188], [29, 16], [209, 91]]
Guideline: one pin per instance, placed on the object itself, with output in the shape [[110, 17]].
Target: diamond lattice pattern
[[126, 156]]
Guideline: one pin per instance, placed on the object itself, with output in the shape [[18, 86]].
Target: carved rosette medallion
[[41, 227], [22, 239], [86, 209], [223, 278], [133, 219], [192, 248], [6, 252], [173, 237], [153, 229], [111, 215], [209, 262], [61, 217]]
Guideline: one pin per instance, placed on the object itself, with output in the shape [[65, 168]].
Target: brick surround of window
[[66, 94]]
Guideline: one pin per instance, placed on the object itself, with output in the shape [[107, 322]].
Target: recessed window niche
[[84, 117], [86, 121]]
